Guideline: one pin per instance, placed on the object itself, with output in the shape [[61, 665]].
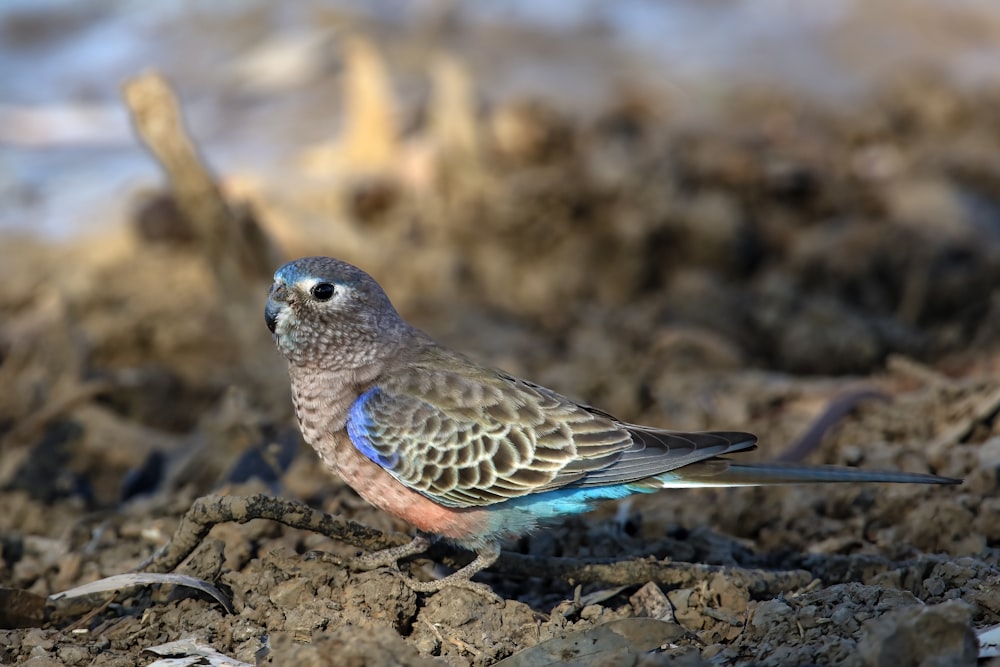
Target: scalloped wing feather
[[468, 437], [471, 441]]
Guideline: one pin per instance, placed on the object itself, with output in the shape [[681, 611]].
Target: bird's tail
[[721, 472]]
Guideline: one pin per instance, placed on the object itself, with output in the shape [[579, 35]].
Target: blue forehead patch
[[324, 269], [291, 273]]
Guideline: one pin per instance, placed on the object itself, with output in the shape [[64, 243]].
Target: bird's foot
[[392, 555], [326, 557], [462, 579], [455, 580]]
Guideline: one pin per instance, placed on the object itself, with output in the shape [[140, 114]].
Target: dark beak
[[271, 313], [274, 302]]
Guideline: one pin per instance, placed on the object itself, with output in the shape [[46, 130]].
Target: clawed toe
[[326, 557], [373, 561], [449, 582], [463, 578], [389, 558]]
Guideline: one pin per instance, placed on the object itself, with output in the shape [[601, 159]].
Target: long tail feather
[[725, 473]]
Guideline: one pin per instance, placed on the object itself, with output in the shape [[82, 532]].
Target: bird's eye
[[322, 291]]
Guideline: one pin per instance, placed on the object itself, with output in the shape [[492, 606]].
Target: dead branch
[[839, 408], [234, 244], [210, 510]]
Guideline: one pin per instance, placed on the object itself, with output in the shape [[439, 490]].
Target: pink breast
[[380, 489]]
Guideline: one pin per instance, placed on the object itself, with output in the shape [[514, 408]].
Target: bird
[[467, 453]]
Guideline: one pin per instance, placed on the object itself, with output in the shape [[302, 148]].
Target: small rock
[[771, 613], [348, 645], [37, 638], [42, 661], [929, 636], [650, 601], [74, 655]]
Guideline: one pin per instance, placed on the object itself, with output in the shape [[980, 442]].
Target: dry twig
[[233, 242], [210, 510]]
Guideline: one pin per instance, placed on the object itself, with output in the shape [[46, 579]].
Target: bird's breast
[[382, 490], [321, 404]]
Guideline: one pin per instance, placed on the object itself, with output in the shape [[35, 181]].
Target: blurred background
[[610, 199], [607, 198], [691, 214]]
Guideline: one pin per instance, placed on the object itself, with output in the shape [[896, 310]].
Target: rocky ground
[[751, 271]]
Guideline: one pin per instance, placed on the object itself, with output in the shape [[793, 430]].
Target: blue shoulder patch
[[359, 429]]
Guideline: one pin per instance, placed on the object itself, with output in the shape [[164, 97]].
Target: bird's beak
[[271, 314], [274, 306]]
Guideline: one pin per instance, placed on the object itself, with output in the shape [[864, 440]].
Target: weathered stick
[[234, 244], [210, 510]]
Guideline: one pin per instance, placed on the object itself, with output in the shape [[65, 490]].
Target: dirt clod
[[929, 636]]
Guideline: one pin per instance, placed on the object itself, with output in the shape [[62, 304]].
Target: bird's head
[[329, 314]]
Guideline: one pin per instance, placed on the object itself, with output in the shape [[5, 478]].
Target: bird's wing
[[471, 437]]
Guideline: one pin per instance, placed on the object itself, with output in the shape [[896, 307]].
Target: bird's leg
[[461, 579], [391, 556]]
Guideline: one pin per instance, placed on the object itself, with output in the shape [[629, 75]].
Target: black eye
[[322, 291]]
